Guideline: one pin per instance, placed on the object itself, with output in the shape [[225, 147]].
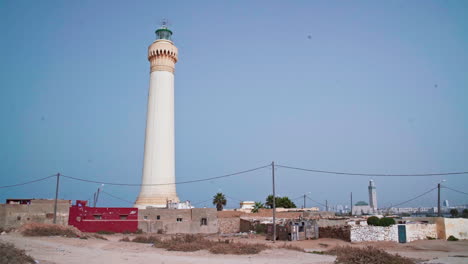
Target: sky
[[355, 86]]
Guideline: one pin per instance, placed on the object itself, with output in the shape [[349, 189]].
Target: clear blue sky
[[360, 86]]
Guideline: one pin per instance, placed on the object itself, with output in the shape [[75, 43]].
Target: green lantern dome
[[163, 33]]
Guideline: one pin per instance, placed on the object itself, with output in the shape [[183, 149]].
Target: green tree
[[373, 220], [257, 206], [454, 213], [284, 202], [220, 201], [386, 221]]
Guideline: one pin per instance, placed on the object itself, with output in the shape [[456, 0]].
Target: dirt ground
[[60, 250]]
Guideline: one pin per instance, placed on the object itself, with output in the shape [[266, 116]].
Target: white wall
[[457, 227]]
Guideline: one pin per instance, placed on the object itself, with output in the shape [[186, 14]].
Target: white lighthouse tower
[[158, 188], [372, 196]]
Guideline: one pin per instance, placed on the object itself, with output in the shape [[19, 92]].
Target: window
[[158, 217], [145, 217], [18, 218], [123, 217], [204, 221], [179, 219], [97, 217]]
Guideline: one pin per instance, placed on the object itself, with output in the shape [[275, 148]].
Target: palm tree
[[257, 206], [219, 200]]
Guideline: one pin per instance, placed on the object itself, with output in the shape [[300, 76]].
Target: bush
[[10, 254], [125, 239], [373, 220], [351, 255], [146, 239], [36, 229], [237, 248], [190, 243], [452, 238], [386, 221]]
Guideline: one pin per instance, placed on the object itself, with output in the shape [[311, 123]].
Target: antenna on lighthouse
[[164, 23]]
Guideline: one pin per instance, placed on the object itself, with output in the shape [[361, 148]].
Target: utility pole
[[56, 197], [304, 202], [351, 204], [274, 200], [438, 200], [326, 205]]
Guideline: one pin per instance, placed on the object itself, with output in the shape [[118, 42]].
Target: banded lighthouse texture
[[158, 188]]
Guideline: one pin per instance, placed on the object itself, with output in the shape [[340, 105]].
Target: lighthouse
[[158, 180]]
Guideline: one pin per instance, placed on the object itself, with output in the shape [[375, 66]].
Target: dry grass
[[36, 229], [291, 247], [125, 239], [9, 254], [352, 255], [237, 248], [146, 239], [99, 237], [189, 243]]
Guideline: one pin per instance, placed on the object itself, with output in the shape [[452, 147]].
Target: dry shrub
[[36, 229], [352, 255], [190, 243], [291, 247], [99, 237], [124, 239], [186, 243], [10, 254], [146, 239], [237, 248]]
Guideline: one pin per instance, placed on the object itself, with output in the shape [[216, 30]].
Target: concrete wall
[[420, 231], [331, 222], [191, 221], [457, 227], [41, 211]]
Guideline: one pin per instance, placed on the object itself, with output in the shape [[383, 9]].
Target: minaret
[[372, 196], [159, 159]]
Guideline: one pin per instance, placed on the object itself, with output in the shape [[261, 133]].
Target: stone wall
[[229, 225], [457, 227], [338, 232], [374, 233], [420, 231]]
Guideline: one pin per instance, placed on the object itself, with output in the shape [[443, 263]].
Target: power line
[[24, 183], [116, 197], [232, 198], [202, 201], [156, 184], [412, 199], [443, 186], [315, 201], [375, 175]]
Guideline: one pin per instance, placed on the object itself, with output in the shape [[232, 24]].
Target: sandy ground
[[59, 250]]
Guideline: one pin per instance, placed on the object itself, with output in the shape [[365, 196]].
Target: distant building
[[362, 208], [372, 196], [247, 205], [446, 203]]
